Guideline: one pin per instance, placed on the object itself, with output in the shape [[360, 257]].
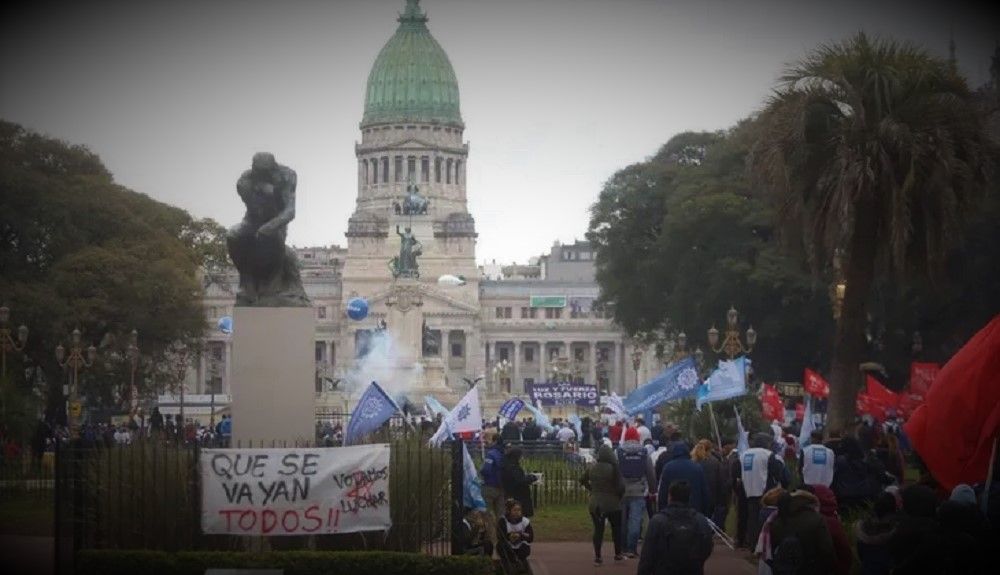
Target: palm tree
[[876, 150]]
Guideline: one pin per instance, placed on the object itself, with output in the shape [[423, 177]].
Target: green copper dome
[[412, 79]]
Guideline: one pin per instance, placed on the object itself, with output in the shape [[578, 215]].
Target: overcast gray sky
[[176, 95]]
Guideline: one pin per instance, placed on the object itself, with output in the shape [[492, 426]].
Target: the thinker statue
[[269, 270]]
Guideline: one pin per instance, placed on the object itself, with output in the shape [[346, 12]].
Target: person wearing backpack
[[678, 539], [800, 541], [604, 481], [637, 470]]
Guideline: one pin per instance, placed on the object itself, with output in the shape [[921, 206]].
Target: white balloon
[[450, 280]]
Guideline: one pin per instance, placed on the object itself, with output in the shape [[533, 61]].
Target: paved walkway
[[572, 558]]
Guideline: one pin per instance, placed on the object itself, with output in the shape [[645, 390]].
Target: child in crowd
[[474, 535], [514, 537]]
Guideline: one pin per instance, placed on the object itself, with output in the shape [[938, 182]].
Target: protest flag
[[373, 409], [922, 376], [540, 418], [677, 381], [742, 436], [727, 381], [807, 423], [814, 384], [434, 406], [472, 493], [511, 408], [464, 417], [772, 408], [616, 405], [955, 429], [881, 394], [577, 424]]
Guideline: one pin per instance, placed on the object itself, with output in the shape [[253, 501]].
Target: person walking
[[637, 471], [515, 482], [760, 471], [679, 539], [816, 465], [681, 468], [492, 483], [606, 486], [716, 480], [843, 555], [873, 534], [799, 539]]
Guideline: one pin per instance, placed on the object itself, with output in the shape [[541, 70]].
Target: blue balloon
[[226, 324], [357, 309]]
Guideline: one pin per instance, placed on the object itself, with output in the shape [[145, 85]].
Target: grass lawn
[[570, 522], [25, 515]]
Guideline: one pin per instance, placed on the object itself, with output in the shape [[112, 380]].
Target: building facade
[[509, 325]]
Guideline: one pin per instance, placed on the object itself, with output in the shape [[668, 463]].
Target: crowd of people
[[813, 508]]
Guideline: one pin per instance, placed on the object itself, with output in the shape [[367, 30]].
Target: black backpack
[[788, 557], [633, 464], [683, 542]]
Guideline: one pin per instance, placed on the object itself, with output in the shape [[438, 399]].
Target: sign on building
[[548, 301], [563, 393], [295, 491]]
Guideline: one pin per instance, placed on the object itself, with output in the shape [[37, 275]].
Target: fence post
[[56, 505], [457, 497]]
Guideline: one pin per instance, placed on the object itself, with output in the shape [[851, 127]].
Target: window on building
[[321, 312], [524, 313], [411, 169], [447, 174], [553, 313], [578, 354], [499, 312], [385, 169], [533, 312], [458, 170], [399, 169], [529, 381], [507, 313], [425, 169], [364, 171], [375, 171], [456, 350], [437, 170], [320, 350], [504, 354], [529, 354]]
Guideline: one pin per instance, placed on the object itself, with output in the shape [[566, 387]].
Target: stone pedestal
[[273, 381]]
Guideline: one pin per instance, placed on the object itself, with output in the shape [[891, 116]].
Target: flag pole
[[715, 426], [989, 476]]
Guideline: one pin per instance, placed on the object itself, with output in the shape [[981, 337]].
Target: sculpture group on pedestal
[[405, 265]]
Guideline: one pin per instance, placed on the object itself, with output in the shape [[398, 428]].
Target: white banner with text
[[295, 491]]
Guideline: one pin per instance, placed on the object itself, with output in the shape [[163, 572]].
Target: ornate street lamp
[[637, 354], [732, 345], [680, 348], [501, 373], [72, 364]]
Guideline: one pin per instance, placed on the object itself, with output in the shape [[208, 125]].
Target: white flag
[[616, 405], [466, 416]]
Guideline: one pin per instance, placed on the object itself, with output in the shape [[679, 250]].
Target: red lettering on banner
[[284, 521], [266, 527], [228, 513], [253, 520], [311, 515]]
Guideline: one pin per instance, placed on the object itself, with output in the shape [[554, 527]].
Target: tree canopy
[[82, 252]]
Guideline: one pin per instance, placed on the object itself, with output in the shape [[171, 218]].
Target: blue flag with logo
[[728, 380], [472, 493], [373, 409], [742, 436], [807, 423], [678, 381], [510, 408], [435, 406]]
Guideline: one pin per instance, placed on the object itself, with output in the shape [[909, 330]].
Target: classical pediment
[[431, 298]]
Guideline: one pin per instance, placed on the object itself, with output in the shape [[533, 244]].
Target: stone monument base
[[274, 374]]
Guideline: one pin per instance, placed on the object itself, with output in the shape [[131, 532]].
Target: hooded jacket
[[841, 545], [604, 482], [716, 479], [873, 535], [682, 468], [798, 516], [638, 487], [516, 483]]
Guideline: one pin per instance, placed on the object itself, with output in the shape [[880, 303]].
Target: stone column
[[227, 368], [517, 384], [202, 379], [619, 373], [592, 356], [446, 347], [542, 360], [331, 354]]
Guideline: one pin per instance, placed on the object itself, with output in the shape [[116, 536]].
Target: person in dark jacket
[[606, 485], [739, 499], [873, 534], [963, 532], [511, 432], [798, 518], [516, 483], [716, 479], [841, 545], [681, 468], [532, 432], [855, 477], [916, 544], [678, 539]]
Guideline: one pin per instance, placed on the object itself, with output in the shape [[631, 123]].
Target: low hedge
[[115, 562]]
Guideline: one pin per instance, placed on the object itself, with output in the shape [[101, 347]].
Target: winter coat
[[642, 485], [516, 483], [873, 535], [855, 482], [841, 545], [798, 517], [531, 432], [655, 553], [491, 469], [510, 432], [604, 482], [681, 468], [716, 479]]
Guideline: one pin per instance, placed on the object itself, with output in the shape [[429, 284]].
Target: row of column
[[615, 355], [383, 170]]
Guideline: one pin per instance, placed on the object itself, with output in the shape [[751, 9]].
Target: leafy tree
[[876, 149], [683, 236], [79, 251]]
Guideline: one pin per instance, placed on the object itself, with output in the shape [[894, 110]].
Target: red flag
[[908, 403], [865, 404], [800, 411], [880, 394], [953, 431], [771, 405], [922, 376], [814, 384]]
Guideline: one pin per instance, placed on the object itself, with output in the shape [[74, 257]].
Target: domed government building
[[512, 325]]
